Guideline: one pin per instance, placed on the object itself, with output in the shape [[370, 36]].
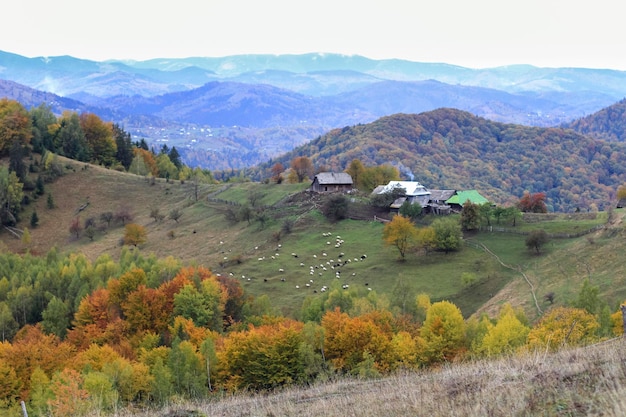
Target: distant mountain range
[[239, 111]]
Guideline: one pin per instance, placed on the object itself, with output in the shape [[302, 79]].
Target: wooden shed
[[331, 182]]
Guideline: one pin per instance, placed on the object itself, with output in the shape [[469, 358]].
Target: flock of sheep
[[313, 271]]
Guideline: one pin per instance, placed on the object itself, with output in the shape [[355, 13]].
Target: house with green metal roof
[[460, 197]]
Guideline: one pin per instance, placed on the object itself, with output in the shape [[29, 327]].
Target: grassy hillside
[[580, 382], [261, 257]]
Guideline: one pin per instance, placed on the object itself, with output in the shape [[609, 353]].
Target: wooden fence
[[494, 229]]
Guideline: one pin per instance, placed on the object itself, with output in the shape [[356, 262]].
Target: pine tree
[[34, 219], [50, 202]]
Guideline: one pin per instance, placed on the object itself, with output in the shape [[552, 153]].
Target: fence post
[[623, 308]]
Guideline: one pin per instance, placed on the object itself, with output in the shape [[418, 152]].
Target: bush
[[336, 208], [536, 240], [287, 226]]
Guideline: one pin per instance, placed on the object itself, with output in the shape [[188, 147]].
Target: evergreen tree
[[50, 201], [39, 186], [34, 219], [17, 152], [175, 157], [42, 118], [124, 146]]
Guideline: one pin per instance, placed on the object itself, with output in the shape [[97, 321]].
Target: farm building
[[437, 203], [414, 192], [460, 197], [331, 182], [433, 201]]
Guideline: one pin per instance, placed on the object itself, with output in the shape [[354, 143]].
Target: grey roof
[[441, 195], [334, 178]]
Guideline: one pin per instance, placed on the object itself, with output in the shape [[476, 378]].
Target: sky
[[473, 34]]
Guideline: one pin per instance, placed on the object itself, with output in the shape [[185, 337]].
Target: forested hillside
[[607, 124], [452, 149]]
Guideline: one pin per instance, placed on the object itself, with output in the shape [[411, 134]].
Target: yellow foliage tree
[[135, 234], [506, 336], [99, 137], [563, 326], [401, 233], [617, 319], [15, 125], [426, 239], [443, 332]]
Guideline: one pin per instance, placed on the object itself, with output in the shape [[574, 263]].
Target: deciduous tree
[[135, 234], [100, 140], [374, 176], [448, 234], [69, 138], [508, 335], [10, 196], [303, 167], [533, 203], [56, 318], [443, 333], [335, 208], [536, 240], [15, 125], [356, 170], [401, 233], [470, 216], [277, 172], [412, 210], [263, 357], [68, 396], [563, 326]]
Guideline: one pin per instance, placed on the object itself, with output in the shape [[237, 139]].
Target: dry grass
[[109, 190], [587, 381]]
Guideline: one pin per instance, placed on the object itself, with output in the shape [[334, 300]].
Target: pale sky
[[470, 33]]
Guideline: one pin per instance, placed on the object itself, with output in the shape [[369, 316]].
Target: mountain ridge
[[236, 112]]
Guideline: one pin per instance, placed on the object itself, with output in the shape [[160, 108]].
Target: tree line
[[86, 138], [80, 336]]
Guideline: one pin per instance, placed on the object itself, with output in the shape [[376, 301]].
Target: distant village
[[432, 201]]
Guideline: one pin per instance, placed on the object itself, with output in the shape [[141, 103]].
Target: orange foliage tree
[[348, 340], [262, 357], [32, 349], [302, 167]]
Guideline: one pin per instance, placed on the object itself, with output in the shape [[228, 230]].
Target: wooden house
[[437, 203], [331, 182]]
